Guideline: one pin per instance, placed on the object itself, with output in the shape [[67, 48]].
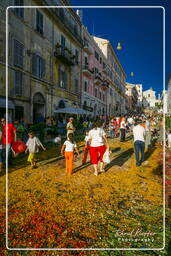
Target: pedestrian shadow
[[79, 168], [120, 159], [130, 137], [116, 149], [149, 152]]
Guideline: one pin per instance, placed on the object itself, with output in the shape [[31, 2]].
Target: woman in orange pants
[[68, 147]]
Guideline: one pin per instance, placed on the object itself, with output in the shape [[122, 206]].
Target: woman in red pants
[[98, 144]]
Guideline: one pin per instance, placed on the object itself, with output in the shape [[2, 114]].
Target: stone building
[[150, 98], [132, 96], [94, 84], [44, 57]]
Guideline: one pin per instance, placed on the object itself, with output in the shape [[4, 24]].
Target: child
[[33, 144], [68, 147], [86, 148], [169, 139]]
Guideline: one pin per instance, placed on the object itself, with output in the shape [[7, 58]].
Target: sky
[[140, 31]]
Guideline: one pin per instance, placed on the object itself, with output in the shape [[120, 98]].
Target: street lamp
[[119, 47]]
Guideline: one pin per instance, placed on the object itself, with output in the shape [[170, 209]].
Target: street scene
[[85, 143]]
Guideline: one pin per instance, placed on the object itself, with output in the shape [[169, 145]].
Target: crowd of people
[[97, 133]]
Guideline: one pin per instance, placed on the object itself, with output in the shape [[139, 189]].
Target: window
[[39, 22], [96, 71], [19, 11], [62, 77], [100, 95], [104, 65], [96, 55], [95, 92], [76, 56], [38, 66], [100, 60], [103, 97], [18, 53], [85, 86], [86, 61], [76, 85], [63, 45], [18, 81]]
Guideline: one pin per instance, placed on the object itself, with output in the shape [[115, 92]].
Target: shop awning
[[3, 103], [75, 111]]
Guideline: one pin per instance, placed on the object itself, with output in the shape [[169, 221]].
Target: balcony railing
[[87, 48], [87, 71], [63, 54]]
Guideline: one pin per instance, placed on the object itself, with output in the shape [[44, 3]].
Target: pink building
[[94, 83]]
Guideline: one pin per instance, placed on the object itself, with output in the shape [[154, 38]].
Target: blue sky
[[140, 32]]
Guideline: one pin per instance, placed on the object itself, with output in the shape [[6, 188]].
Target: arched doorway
[[38, 107]]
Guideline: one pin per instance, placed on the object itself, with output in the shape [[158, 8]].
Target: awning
[[76, 111], [3, 103]]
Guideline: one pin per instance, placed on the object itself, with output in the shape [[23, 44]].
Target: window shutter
[[43, 68], [34, 64], [18, 83], [18, 53]]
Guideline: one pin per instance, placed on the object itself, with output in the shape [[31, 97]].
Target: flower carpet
[[121, 208]]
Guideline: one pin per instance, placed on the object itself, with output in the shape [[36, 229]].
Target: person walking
[[9, 136], [68, 150], [70, 126], [98, 144], [33, 145], [115, 126], [139, 142], [122, 129], [86, 149], [1, 148]]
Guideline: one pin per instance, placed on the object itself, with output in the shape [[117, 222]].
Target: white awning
[[3, 103], [76, 111]]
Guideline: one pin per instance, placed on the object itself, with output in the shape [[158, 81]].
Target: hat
[[71, 118]]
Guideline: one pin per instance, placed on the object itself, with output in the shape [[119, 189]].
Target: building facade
[[132, 96], [116, 77], [149, 98], [44, 59]]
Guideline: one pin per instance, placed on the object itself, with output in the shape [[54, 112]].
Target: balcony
[[87, 48], [105, 84], [105, 71], [73, 29], [87, 71], [98, 79], [64, 55]]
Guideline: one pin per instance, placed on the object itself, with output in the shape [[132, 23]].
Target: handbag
[[106, 157]]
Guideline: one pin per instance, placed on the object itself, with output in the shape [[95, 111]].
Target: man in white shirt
[[139, 142]]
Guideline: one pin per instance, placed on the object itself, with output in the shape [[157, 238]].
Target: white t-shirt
[[33, 145], [169, 137], [96, 137], [69, 146], [139, 133]]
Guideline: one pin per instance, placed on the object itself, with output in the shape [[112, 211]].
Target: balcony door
[[63, 45]]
